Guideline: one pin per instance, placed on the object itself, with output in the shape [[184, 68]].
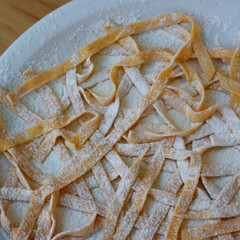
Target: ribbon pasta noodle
[[120, 150]]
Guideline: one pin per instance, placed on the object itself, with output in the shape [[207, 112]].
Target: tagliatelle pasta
[[125, 160]]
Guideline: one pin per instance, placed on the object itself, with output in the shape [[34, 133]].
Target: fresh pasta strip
[[73, 92], [127, 42], [204, 131], [44, 225], [142, 86], [177, 103], [95, 78], [218, 125], [82, 232], [225, 197], [16, 194], [211, 230], [119, 198], [31, 147], [47, 126], [235, 100], [81, 204], [37, 130], [98, 170], [185, 197], [34, 210], [196, 82], [175, 153], [3, 131], [185, 96], [92, 101], [209, 170], [216, 86], [19, 172], [227, 211], [140, 196], [183, 166], [229, 84], [178, 31], [175, 73], [84, 132], [97, 45], [47, 94], [212, 189], [28, 168], [67, 200], [200, 205], [109, 117], [52, 209], [88, 68], [154, 222], [115, 50], [193, 78], [134, 149], [83, 191], [232, 119], [20, 109], [138, 136], [64, 100], [62, 152], [103, 182], [225, 54], [157, 216], [11, 181], [52, 101], [49, 142], [174, 184], [234, 65]]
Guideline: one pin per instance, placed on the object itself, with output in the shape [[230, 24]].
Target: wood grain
[[16, 16]]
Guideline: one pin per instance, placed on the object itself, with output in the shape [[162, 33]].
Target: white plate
[[61, 33], [65, 30]]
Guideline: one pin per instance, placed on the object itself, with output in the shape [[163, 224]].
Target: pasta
[[105, 145]]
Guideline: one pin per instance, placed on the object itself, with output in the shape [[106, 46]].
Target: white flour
[[213, 27]]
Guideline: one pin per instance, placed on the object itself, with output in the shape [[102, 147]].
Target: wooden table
[[16, 16]]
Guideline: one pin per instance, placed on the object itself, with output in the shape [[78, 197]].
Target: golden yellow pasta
[[97, 137]]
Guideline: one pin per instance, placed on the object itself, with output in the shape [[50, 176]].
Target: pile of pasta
[[106, 133]]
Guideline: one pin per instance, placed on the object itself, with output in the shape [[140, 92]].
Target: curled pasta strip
[[88, 68], [138, 136], [148, 24], [231, 210], [44, 225], [73, 93], [185, 197], [211, 230], [47, 126], [120, 197], [127, 42], [229, 84], [177, 103]]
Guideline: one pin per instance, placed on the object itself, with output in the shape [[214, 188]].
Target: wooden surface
[[16, 16]]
